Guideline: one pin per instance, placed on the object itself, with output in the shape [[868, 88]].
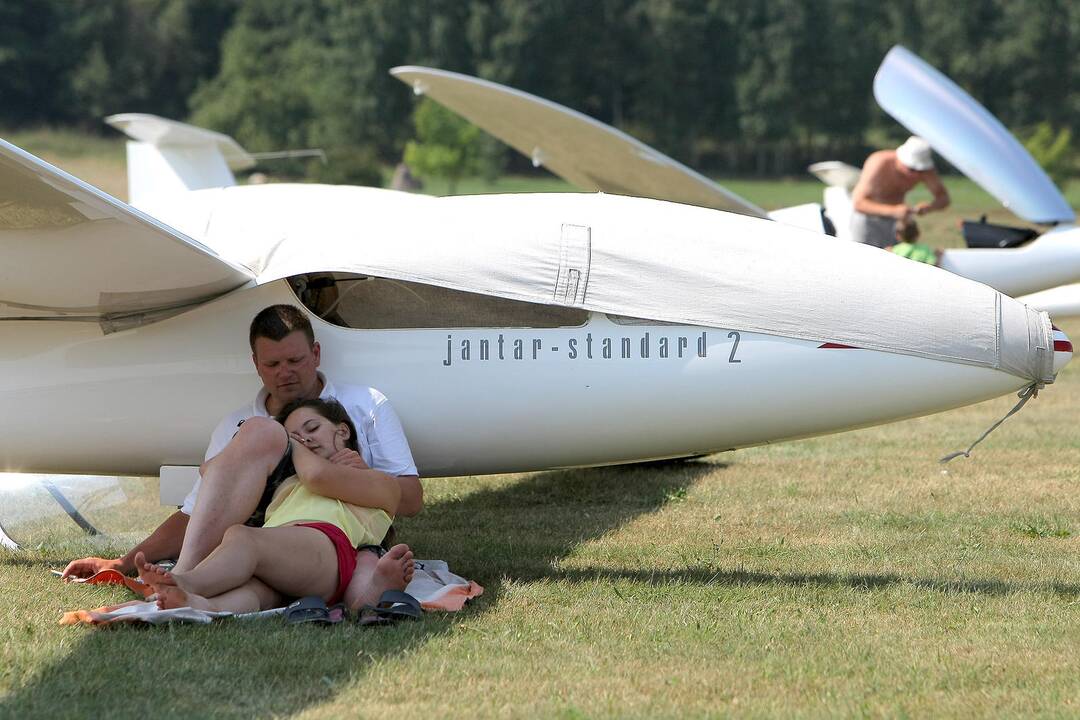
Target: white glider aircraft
[[514, 332], [595, 156], [1016, 260]]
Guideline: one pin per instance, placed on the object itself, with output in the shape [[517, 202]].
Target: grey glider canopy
[[69, 251], [642, 258], [584, 151], [931, 105]]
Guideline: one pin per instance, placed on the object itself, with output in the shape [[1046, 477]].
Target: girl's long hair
[[330, 409]]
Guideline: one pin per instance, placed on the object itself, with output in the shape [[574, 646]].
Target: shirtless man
[[241, 457], [878, 197]]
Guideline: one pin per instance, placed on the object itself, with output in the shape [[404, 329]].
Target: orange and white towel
[[433, 585], [113, 577], [439, 589]]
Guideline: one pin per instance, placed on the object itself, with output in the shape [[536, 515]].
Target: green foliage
[[90, 82], [446, 146], [744, 87], [348, 166], [1053, 150], [73, 61], [33, 62]]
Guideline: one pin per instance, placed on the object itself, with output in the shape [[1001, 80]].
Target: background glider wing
[[583, 151], [69, 251], [931, 105]]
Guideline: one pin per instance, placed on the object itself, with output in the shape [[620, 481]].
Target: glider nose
[[1063, 350]]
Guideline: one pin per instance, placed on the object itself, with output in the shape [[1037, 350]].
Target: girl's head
[[323, 426]]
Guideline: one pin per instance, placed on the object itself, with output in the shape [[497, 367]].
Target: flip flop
[[394, 605], [313, 609]]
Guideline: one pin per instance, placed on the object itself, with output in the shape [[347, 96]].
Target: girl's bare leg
[[293, 560], [252, 596]]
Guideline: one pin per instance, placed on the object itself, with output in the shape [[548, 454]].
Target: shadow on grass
[[867, 582], [236, 669], [20, 558]]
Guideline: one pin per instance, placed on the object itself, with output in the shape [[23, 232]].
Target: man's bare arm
[[412, 495], [164, 542], [941, 195], [871, 207]]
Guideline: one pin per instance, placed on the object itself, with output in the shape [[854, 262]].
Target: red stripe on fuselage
[[836, 346], [1062, 346]]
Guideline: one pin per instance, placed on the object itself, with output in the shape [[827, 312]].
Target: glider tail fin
[[166, 156], [840, 179], [836, 174]]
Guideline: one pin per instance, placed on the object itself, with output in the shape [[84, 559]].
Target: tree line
[[736, 86]]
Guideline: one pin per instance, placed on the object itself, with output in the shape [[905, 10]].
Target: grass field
[[841, 576]]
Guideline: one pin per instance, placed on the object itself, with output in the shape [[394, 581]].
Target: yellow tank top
[[293, 503]]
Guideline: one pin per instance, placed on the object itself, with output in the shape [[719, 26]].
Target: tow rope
[[1026, 394]]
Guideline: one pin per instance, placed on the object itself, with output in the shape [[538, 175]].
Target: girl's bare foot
[[393, 571], [152, 574], [170, 597]]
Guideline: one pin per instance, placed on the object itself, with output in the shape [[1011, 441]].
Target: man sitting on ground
[[246, 450]]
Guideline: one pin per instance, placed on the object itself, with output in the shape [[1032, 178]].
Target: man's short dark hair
[[277, 321]]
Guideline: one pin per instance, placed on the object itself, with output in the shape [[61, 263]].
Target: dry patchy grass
[[844, 575]]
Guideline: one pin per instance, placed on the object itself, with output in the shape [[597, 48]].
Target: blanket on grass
[[433, 585]]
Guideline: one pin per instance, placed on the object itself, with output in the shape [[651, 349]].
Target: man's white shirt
[[382, 440]]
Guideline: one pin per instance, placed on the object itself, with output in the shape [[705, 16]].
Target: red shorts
[[346, 556]]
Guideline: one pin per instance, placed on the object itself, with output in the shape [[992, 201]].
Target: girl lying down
[[308, 543]]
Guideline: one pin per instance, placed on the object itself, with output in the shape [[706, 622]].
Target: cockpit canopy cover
[[636, 257]]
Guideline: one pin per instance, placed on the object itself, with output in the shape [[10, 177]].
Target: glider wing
[[577, 148], [69, 251]]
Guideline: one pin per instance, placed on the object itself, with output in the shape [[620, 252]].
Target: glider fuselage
[[472, 400]]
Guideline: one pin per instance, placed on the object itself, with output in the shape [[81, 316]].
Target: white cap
[[916, 154]]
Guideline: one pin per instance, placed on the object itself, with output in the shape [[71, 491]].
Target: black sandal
[[313, 609], [394, 605]]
